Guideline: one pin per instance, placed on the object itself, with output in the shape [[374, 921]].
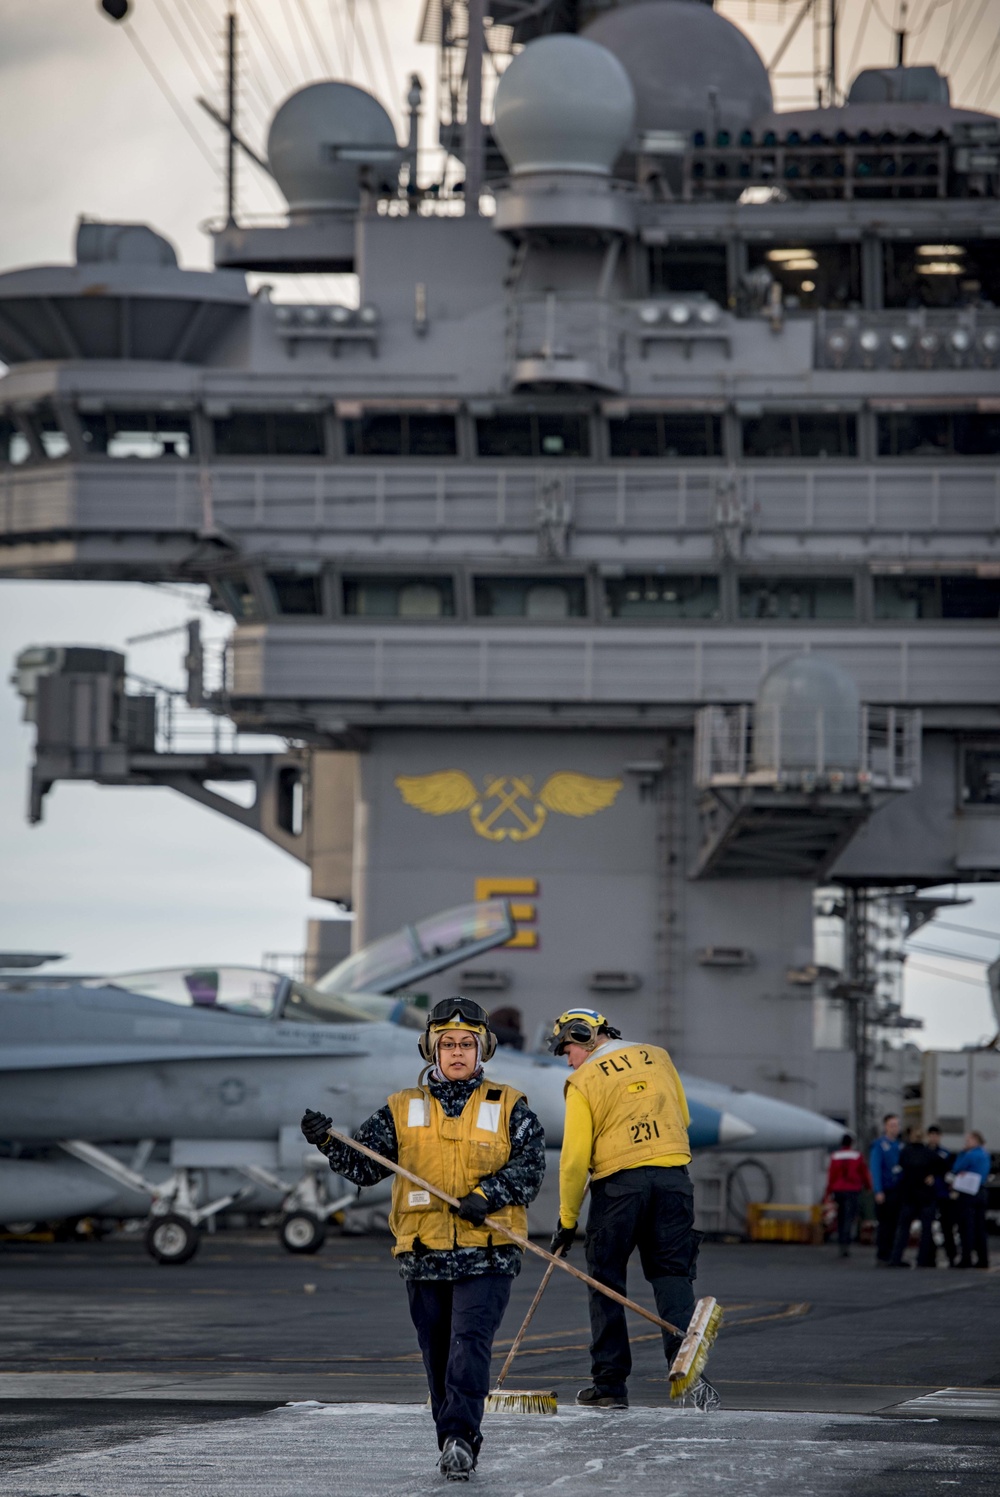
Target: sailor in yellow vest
[[479, 1141], [626, 1127]]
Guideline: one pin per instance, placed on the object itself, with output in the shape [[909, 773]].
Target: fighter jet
[[220, 1062]]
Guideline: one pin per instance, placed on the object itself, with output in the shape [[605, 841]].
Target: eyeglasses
[[457, 1045]]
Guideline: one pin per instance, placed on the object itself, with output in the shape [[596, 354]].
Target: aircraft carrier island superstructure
[[632, 549]]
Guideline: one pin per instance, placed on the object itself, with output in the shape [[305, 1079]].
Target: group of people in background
[[914, 1178]]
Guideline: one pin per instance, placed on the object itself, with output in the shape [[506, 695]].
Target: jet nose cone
[[733, 1130]]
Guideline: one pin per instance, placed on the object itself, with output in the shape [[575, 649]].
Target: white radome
[[565, 104], [319, 139]]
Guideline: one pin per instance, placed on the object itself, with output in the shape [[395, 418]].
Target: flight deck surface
[[117, 1375]]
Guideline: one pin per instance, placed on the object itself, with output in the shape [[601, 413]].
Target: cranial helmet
[[457, 1013], [580, 1026]]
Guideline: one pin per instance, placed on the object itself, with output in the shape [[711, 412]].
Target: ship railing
[[791, 749], [845, 171]]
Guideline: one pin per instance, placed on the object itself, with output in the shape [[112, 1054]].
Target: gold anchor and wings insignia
[[508, 807]]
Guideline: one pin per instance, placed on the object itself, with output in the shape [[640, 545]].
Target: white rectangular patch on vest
[[418, 1198], [416, 1116], [489, 1117]]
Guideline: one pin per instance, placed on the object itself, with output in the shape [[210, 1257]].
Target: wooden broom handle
[[516, 1347], [495, 1226]]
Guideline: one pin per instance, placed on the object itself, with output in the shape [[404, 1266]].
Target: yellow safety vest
[[634, 1094], [454, 1154]]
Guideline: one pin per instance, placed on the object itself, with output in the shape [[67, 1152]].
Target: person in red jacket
[[846, 1178]]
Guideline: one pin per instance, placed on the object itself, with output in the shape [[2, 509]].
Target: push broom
[[697, 1340]]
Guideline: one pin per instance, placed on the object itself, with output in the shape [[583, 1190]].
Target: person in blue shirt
[[971, 1207], [887, 1176], [947, 1215]]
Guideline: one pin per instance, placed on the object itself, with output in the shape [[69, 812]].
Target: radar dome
[[563, 105], [807, 717], [691, 69], [319, 138]]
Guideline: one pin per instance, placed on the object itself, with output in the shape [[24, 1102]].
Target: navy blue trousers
[[650, 1208], [455, 1322]]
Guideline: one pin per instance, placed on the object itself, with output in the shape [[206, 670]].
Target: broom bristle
[[502, 1402], [681, 1385]]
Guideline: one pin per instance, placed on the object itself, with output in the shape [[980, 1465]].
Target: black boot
[[457, 1459], [599, 1398]]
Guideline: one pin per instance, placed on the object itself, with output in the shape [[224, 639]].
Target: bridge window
[[406, 434], [524, 434], [950, 596], [799, 434], [13, 443], [678, 268], [981, 777], [545, 599], [796, 598], [269, 434], [236, 595], [399, 597], [148, 434], [651, 596], [661, 435], [943, 274], [812, 275], [296, 594], [48, 429], [939, 434]]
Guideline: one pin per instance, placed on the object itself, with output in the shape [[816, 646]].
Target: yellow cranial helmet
[[457, 1013], [580, 1026]]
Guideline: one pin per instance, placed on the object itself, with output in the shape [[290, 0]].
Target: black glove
[[562, 1237], [316, 1127], [473, 1208]]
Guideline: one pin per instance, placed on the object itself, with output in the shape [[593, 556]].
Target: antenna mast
[[231, 120]]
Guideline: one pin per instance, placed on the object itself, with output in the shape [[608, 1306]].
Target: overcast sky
[[100, 120]]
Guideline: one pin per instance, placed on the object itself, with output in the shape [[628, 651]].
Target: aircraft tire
[[302, 1232], [172, 1239]]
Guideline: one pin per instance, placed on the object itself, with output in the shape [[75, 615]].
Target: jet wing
[[64, 1057]]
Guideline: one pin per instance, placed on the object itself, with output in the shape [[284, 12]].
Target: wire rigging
[[384, 49], [193, 62], [293, 32], [966, 40], [859, 37], [171, 98], [317, 40], [273, 50], [338, 31], [983, 76], [972, 982], [362, 45], [967, 930]]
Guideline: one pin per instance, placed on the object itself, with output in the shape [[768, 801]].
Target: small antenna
[[231, 120]]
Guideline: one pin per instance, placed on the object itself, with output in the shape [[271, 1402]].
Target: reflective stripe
[[489, 1117], [418, 1113]]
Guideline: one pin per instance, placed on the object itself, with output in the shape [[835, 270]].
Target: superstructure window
[[524, 434], [796, 598], [269, 434], [296, 594], [399, 597], [546, 599], [237, 596], [14, 447], [676, 268], [147, 434], [981, 777], [943, 274], [48, 429], [939, 434], [812, 275], [666, 435], [954, 595], [647, 595], [799, 434], [404, 434]]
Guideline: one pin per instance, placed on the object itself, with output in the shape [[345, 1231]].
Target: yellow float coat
[[625, 1107], [454, 1154]]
